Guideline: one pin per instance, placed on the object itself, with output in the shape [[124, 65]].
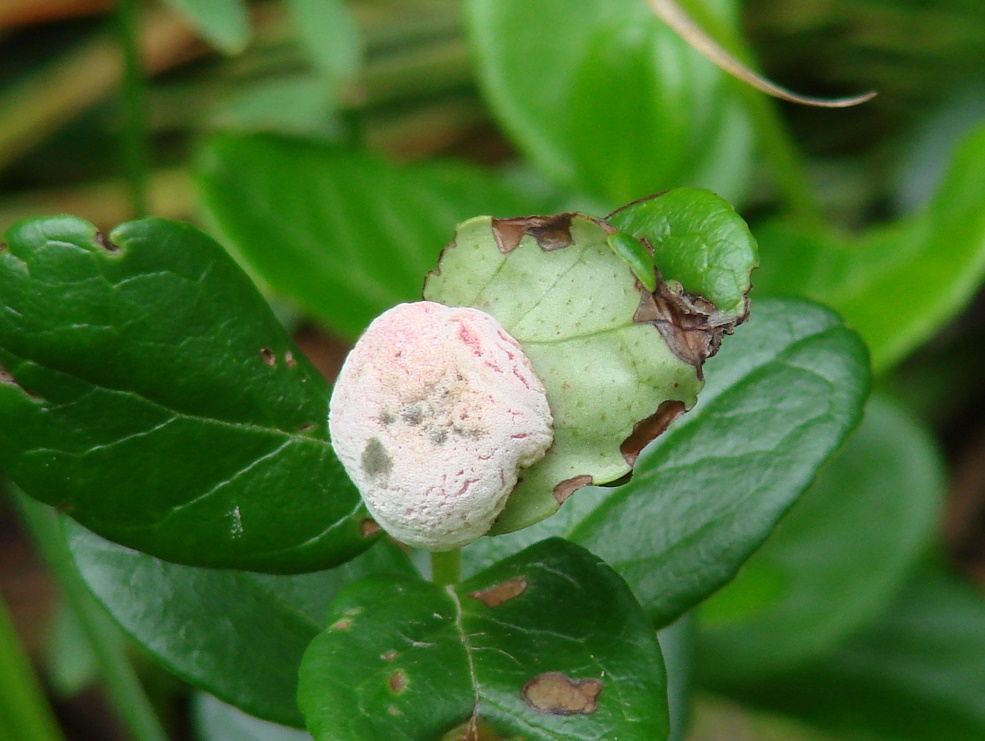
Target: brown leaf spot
[[268, 356], [369, 527], [551, 232], [557, 694], [307, 428], [690, 324], [569, 486], [289, 360], [499, 593], [392, 710], [343, 624], [103, 241], [647, 430], [3, 246], [398, 681], [389, 655], [476, 730]]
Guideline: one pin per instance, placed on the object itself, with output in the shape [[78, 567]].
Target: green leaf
[[549, 644], [238, 635], [898, 284], [677, 645], [837, 558], [224, 23], [329, 34], [605, 98], [616, 371], [342, 233], [148, 390], [698, 240], [295, 104], [915, 674], [781, 396], [70, 663], [716, 718], [217, 721]]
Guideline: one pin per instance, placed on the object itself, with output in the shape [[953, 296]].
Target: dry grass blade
[[674, 16]]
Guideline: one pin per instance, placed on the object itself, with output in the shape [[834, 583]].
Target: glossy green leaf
[[605, 98], [836, 559], [637, 256], [896, 285], [224, 23], [217, 721], [70, 663], [342, 233], [583, 320], [915, 674], [148, 390], [238, 635], [677, 644], [329, 34], [698, 240], [780, 397], [549, 644]]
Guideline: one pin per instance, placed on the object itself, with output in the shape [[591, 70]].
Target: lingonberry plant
[[553, 488], [153, 397]]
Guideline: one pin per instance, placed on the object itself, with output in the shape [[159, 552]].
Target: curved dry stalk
[[674, 16]]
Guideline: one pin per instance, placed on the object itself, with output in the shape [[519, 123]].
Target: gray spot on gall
[[412, 414], [375, 460]]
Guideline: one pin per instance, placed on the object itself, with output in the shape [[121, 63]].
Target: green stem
[[446, 567], [121, 681], [779, 149], [24, 711], [134, 137]]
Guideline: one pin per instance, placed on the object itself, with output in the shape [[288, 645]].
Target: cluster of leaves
[[148, 391]]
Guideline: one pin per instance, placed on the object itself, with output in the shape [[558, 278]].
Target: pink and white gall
[[433, 415]]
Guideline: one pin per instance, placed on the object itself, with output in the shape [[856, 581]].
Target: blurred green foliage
[[292, 146]]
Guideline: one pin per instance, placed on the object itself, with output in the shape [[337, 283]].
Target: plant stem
[[446, 567], [134, 137], [24, 711], [121, 681]]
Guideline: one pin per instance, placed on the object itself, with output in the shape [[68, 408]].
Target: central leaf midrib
[[176, 413], [459, 626]]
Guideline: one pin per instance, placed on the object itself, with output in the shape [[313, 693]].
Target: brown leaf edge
[[691, 325]]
